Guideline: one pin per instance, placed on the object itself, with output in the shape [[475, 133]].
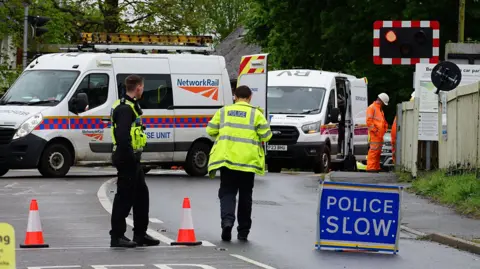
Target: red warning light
[[391, 36]]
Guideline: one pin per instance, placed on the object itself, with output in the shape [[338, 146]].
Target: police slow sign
[[358, 217]]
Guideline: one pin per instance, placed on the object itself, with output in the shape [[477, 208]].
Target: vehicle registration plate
[[277, 147]]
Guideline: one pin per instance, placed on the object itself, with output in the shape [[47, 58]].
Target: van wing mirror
[[333, 116], [79, 103]]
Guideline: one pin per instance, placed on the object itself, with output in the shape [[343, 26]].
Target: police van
[[304, 106], [57, 113]]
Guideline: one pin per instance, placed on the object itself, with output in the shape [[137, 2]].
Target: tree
[[337, 35]]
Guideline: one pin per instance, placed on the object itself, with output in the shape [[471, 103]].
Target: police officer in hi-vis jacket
[[128, 141]]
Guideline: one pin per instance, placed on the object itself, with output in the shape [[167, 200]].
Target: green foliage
[[337, 36], [460, 191]]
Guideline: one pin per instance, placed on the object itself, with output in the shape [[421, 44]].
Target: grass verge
[[462, 192]]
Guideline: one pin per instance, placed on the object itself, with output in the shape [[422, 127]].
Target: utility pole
[[461, 22], [25, 35]]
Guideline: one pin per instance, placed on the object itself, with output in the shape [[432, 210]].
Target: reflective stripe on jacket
[[239, 131], [139, 139]]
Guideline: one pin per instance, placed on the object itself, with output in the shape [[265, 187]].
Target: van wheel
[[3, 171], [56, 161], [197, 160], [273, 168], [322, 165]]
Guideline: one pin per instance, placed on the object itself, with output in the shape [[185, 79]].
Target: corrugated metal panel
[[461, 150]]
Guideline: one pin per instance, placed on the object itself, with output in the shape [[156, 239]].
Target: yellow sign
[[7, 246]]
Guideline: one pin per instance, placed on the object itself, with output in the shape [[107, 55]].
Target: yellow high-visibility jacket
[[239, 131]]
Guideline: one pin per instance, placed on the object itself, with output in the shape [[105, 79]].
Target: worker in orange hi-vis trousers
[[393, 134], [377, 126]]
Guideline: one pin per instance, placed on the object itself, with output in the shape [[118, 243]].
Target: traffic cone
[[186, 233], [34, 238]]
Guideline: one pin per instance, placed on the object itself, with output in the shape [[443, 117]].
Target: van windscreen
[[294, 100], [40, 87]]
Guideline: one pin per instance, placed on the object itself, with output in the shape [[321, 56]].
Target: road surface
[[75, 225], [283, 232], [75, 218]]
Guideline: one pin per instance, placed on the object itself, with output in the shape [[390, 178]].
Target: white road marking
[[167, 266], [86, 247], [207, 244], [259, 264], [116, 265], [107, 266], [51, 267], [155, 220], [107, 205]]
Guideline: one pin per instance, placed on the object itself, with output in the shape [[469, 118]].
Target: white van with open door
[[300, 106]]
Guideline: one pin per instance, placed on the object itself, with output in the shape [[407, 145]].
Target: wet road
[[283, 232], [76, 226]]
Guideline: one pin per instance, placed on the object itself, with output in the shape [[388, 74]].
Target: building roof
[[233, 48]]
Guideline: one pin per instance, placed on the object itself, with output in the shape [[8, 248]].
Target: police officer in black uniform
[[132, 190]]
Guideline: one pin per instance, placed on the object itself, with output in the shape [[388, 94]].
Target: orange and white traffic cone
[[186, 233], [34, 237]]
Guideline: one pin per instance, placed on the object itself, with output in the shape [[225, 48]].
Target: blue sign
[[270, 119], [358, 217]]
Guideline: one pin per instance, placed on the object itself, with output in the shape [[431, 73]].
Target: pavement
[[75, 218]]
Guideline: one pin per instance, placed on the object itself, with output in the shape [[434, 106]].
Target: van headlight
[[312, 128], [28, 126]]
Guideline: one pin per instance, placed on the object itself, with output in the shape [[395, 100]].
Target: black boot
[[227, 233], [242, 236], [122, 242], [146, 240]]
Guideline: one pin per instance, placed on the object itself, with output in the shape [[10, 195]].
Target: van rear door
[[359, 93], [253, 73]]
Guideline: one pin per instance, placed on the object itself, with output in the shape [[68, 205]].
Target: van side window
[[157, 91], [96, 88], [331, 103]]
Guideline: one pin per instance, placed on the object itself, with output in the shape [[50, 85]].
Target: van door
[[331, 128], [253, 73], [359, 112], [155, 103], [89, 127]]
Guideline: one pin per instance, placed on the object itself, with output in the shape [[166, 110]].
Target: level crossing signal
[[145, 43], [37, 23], [406, 42]]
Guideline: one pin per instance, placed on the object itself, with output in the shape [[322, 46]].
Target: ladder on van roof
[[144, 43]]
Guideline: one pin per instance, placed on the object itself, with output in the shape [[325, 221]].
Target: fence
[[458, 145]]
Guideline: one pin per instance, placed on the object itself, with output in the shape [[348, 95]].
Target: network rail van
[[57, 113], [300, 104]]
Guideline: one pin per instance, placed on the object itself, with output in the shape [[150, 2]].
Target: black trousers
[[132, 191], [231, 182]]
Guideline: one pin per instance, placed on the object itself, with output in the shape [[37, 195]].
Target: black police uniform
[[132, 190]]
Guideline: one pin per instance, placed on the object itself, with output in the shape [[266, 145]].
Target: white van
[[43, 124], [300, 106]]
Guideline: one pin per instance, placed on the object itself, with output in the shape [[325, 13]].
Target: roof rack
[[145, 43]]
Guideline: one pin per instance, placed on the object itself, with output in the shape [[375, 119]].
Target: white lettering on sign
[[373, 206], [379, 226], [361, 226]]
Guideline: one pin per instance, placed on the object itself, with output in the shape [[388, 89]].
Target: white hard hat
[[384, 97]]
